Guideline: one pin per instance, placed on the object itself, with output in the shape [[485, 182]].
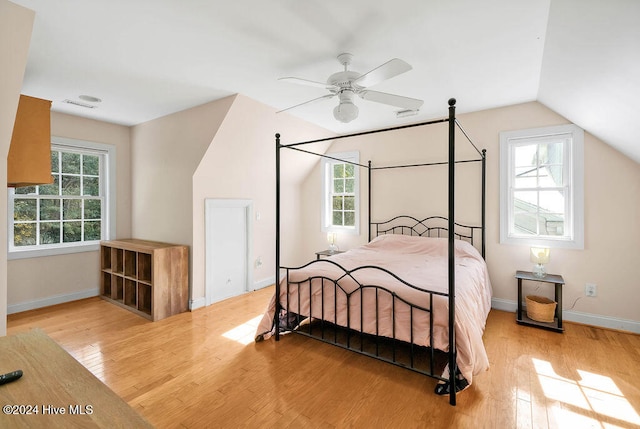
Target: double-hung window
[[341, 193], [542, 190], [71, 214]]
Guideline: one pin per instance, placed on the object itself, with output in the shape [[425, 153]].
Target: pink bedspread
[[420, 261]]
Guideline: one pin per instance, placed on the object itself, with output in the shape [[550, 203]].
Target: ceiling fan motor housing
[[344, 79]]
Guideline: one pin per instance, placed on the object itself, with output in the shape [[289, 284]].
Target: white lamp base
[[538, 270]]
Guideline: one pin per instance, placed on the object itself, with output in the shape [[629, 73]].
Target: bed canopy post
[[369, 198], [276, 319], [484, 199], [452, 272]]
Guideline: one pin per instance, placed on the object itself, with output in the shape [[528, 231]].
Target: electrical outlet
[[590, 289]]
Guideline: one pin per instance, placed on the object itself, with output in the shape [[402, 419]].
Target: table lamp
[[331, 239], [539, 256]]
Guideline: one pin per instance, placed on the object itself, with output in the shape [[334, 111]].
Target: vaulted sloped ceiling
[[150, 58], [591, 69]]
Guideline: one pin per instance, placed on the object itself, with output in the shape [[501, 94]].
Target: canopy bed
[[416, 295]]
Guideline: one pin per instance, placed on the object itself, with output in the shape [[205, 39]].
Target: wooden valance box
[[29, 157], [148, 278]]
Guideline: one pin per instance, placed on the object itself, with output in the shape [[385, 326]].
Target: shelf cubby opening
[[116, 291], [117, 261], [106, 284], [130, 261], [144, 267], [130, 293], [144, 298], [105, 258]]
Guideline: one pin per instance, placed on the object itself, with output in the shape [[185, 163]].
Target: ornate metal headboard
[[432, 226]]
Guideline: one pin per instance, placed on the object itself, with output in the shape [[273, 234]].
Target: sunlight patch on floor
[[245, 333], [90, 356], [593, 393]]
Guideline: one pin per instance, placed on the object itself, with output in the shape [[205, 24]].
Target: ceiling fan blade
[[391, 99], [308, 82], [386, 71], [307, 102]]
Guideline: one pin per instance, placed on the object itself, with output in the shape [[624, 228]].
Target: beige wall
[[612, 205], [16, 24], [240, 164], [75, 275], [165, 155], [612, 209]]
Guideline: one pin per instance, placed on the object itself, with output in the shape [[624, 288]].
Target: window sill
[[558, 243], [342, 230], [38, 253]]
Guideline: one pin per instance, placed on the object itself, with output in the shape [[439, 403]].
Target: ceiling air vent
[[79, 103]]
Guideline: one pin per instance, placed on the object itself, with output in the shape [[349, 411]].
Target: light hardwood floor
[[186, 372]]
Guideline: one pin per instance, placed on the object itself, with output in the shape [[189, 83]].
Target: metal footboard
[[352, 330]]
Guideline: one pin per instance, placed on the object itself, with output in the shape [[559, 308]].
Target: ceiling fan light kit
[[346, 111], [347, 83]]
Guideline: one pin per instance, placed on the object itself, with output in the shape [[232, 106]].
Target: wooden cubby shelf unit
[[148, 278]]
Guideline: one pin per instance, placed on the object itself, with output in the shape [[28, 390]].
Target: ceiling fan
[[348, 83]]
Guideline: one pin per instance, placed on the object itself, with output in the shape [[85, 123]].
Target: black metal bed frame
[[422, 228], [362, 342]]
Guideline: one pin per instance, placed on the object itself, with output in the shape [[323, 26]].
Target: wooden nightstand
[[521, 315], [327, 253]]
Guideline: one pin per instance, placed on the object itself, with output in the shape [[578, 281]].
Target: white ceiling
[[150, 58]]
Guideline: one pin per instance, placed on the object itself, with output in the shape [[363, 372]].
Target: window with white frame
[[541, 187], [341, 192], [71, 214]]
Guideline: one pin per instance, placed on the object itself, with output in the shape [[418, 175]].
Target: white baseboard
[[504, 305], [602, 321], [578, 317], [194, 304], [264, 283], [52, 300]]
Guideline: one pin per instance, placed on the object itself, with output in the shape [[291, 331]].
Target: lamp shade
[[540, 255], [331, 238]]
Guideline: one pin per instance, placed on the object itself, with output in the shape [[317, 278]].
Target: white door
[[227, 248]]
